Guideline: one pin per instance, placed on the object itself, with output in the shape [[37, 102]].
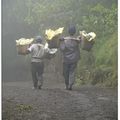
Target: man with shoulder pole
[[37, 50], [71, 54]]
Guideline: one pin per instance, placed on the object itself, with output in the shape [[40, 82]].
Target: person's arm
[[46, 45], [29, 49], [62, 44], [46, 48]]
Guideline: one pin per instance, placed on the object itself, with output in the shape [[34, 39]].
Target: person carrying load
[[38, 51], [71, 54]]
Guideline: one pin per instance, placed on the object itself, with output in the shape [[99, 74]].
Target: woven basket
[[87, 45], [22, 49], [54, 43]]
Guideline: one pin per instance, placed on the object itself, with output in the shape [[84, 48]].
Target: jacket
[[70, 49]]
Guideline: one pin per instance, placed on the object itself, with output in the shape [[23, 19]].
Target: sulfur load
[[88, 40], [88, 36], [51, 33], [22, 45], [52, 37], [24, 41]]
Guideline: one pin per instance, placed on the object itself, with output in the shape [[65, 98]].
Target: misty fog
[[16, 67], [28, 18]]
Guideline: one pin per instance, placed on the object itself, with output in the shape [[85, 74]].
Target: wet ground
[[53, 102]]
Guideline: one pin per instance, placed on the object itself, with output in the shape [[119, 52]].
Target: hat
[[72, 30], [38, 39]]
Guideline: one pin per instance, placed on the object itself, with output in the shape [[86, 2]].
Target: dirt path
[[20, 102]]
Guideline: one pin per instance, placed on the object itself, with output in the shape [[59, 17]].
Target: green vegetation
[[14, 111], [23, 108], [98, 66]]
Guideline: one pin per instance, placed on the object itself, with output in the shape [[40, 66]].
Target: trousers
[[69, 73], [37, 69]]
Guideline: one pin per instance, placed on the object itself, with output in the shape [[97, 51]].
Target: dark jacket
[[70, 48]]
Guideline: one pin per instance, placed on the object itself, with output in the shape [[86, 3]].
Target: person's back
[[71, 54], [37, 52], [70, 48]]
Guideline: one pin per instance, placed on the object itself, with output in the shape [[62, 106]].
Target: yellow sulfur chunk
[[51, 33], [59, 31], [89, 36], [93, 35], [24, 41]]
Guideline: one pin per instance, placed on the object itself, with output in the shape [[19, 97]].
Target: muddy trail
[[53, 102]]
